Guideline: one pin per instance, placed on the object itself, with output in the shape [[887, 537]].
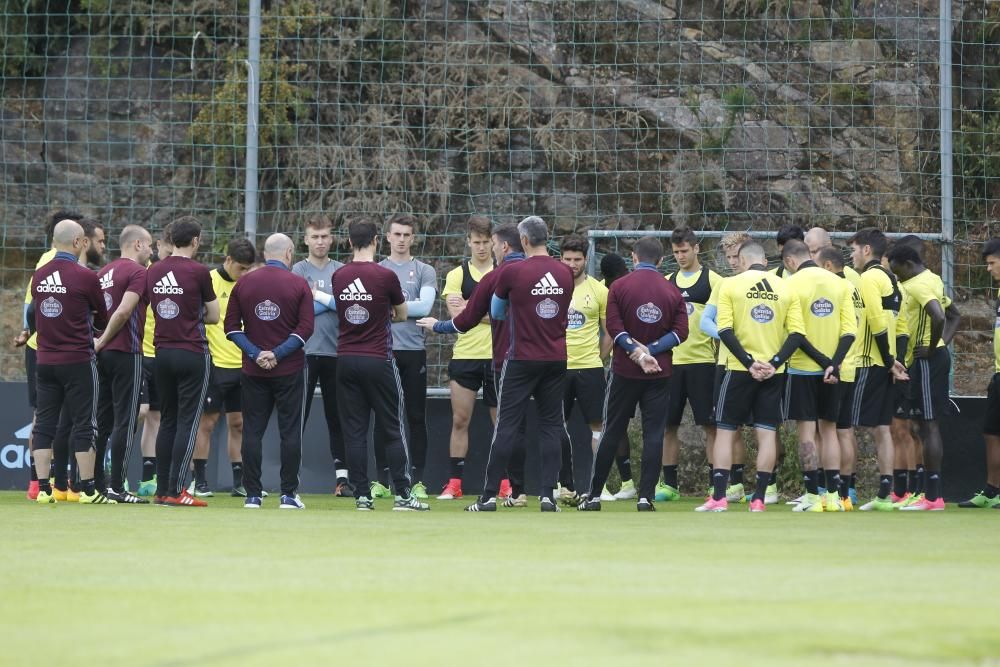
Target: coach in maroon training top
[[183, 302], [68, 306], [119, 356], [270, 318], [534, 297], [368, 299], [647, 318]]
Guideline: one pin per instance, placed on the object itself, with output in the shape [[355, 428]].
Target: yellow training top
[[697, 289], [996, 337], [762, 310], [827, 312], [587, 310], [476, 343], [882, 300], [921, 289], [848, 369], [42, 261], [225, 353]]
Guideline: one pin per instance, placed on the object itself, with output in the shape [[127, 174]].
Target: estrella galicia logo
[[51, 307], [108, 301], [649, 313], [821, 308], [690, 308], [167, 309], [267, 310], [356, 314], [762, 314], [575, 319], [547, 309]]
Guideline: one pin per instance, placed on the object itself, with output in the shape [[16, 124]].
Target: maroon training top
[[478, 307], [647, 307], [120, 276], [269, 305], [68, 307], [539, 291], [178, 289], [365, 293]]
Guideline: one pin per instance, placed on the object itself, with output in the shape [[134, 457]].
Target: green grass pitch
[[227, 586]]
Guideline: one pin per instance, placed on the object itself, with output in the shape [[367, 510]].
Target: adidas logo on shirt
[[167, 285], [107, 280], [51, 285], [355, 292], [547, 285], [685, 294], [762, 290]]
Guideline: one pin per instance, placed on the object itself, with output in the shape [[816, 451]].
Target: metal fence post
[[253, 113]]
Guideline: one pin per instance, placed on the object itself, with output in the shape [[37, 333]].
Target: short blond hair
[[734, 240]]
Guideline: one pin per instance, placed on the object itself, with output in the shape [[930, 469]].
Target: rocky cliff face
[[618, 113]]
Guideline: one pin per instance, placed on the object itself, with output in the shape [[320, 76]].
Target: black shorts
[[31, 370], [808, 398], [901, 399], [148, 394], [223, 393], [743, 400], [474, 374], [585, 386], [844, 417], [694, 384], [929, 399], [992, 424], [874, 397]]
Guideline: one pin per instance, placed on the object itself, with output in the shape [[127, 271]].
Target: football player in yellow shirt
[[990, 496], [587, 346], [760, 322], [813, 390], [730, 246], [471, 365], [693, 379], [223, 393], [932, 324]]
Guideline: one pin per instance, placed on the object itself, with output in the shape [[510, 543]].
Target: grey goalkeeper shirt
[[413, 275], [323, 342]]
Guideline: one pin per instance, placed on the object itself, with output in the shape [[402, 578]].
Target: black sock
[[933, 487], [383, 477], [736, 476], [711, 480], [911, 481], [148, 468], [832, 480], [670, 476], [34, 473], [773, 479], [237, 473], [624, 468], [844, 488], [200, 471], [991, 491], [418, 474], [516, 490], [457, 466], [720, 480], [884, 486], [762, 482], [811, 478], [921, 479], [900, 482], [44, 486], [820, 477], [87, 486], [854, 481]]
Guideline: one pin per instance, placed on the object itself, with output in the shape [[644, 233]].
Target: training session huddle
[[824, 342]]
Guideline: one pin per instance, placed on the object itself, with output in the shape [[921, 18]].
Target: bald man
[[119, 356], [69, 304], [270, 318]]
